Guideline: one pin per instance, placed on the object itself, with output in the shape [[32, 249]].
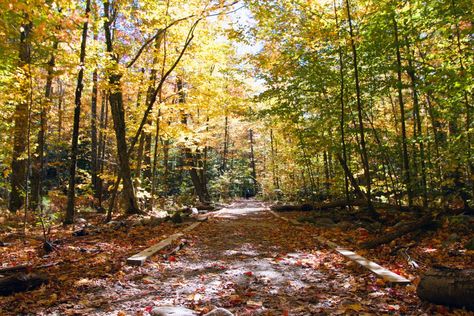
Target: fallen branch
[[403, 230], [318, 206]]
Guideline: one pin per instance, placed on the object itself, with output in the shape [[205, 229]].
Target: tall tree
[[20, 119], [363, 149], [406, 161], [118, 117], [69, 219]]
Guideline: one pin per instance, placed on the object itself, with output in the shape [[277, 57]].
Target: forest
[[237, 157]]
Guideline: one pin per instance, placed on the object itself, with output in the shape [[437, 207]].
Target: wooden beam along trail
[[378, 270], [140, 258]]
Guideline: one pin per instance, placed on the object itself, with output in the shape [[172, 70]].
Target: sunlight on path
[[251, 263]]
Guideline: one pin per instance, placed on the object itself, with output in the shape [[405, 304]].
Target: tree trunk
[[155, 160], [38, 163], [20, 129], [406, 163], [77, 115], [416, 108], [94, 141], [104, 115], [276, 183], [364, 156], [452, 287], [225, 151], [188, 157], [252, 163], [341, 100], [118, 117]]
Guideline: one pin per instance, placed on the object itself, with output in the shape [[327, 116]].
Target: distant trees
[[397, 72], [133, 57]]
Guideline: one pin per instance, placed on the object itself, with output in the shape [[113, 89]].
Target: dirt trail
[[246, 260]]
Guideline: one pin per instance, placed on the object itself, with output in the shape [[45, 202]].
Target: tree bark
[[20, 129], [118, 117], [416, 107], [452, 287], [252, 163], [69, 219], [341, 100], [364, 156], [94, 141], [39, 161], [406, 163]]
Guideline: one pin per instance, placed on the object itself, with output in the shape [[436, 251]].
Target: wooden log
[[403, 230], [140, 258], [377, 269], [445, 286], [292, 208], [21, 282], [318, 206]]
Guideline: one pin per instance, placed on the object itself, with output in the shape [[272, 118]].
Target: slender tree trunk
[[39, 160], [140, 151], [225, 151], [188, 156], [77, 114], [118, 116], [60, 110], [416, 108], [252, 162], [365, 159], [276, 183], [155, 159], [166, 165], [20, 129], [94, 141], [326, 173], [102, 145], [341, 100], [406, 161]]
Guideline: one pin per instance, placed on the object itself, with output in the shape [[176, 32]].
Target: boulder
[[219, 312], [172, 311]]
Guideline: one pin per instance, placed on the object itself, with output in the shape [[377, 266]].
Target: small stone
[[324, 222], [453, 237], [172, 311], [344, 225], [219, 312]]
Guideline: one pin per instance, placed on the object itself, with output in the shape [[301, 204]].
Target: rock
[[470, 244], [176, 218], [344, 225], [81, 220], [324, 222], [172, 311], [219, 312], [453, 237]]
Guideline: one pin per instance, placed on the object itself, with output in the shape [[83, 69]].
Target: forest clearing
[[214, 157]]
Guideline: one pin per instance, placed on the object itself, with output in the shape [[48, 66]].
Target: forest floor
[[242, 258]]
